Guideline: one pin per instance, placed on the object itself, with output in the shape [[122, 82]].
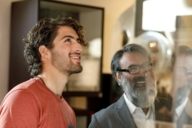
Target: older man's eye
[[134, 69]]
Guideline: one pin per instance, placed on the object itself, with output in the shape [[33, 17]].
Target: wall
[[5, 11], [112, 33]]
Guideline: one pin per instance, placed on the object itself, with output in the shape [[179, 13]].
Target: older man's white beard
[[143, 98]]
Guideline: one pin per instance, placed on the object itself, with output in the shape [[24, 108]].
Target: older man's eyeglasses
[[136, 69]]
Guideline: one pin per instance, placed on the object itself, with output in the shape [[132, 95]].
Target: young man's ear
[[44, 52]]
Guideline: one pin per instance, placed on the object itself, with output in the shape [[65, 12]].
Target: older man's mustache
[[139, 79]]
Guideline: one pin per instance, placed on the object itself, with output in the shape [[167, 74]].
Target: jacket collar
[[124, 113]]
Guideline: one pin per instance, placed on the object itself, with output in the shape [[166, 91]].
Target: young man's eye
[[68, 40], [78, 40]]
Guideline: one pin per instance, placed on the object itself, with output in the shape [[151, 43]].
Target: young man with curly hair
[[53, 49]]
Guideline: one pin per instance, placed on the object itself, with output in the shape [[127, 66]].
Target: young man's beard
[[64, 65], [142, 97], [76, 69]]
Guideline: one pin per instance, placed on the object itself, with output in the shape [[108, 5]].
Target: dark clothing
[[117, 115]]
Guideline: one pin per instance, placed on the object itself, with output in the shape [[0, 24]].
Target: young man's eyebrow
[[68, 36], [72, 37]]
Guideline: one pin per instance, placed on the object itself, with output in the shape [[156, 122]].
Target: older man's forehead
[[133, 58]]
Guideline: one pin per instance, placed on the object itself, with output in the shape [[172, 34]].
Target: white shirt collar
[[134, 109], [141, 120], [130, 105]]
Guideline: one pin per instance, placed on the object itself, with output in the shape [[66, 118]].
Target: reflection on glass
[[183, 86], [155, 20], [167, 17]]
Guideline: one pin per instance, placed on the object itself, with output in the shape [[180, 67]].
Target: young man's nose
[[78, 46]]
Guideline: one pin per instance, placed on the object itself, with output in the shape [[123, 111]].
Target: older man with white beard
[[132, 69]]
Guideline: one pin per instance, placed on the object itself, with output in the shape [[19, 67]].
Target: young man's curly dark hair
[[43, 33]]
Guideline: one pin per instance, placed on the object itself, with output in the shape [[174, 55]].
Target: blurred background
[[161, 26]]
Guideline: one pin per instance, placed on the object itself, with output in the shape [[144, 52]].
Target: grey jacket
[[117, 115]]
